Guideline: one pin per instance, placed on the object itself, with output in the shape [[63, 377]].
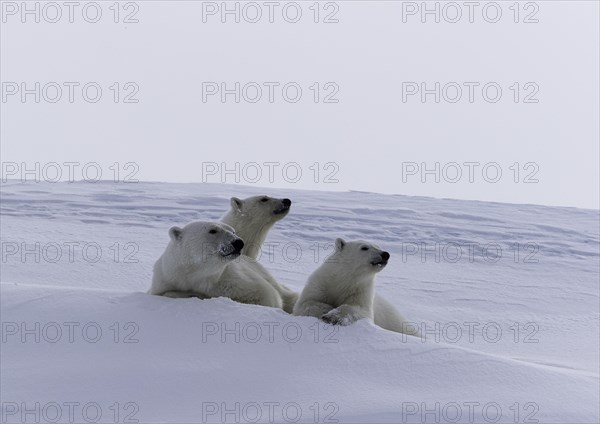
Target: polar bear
[[342, 290], [201, 260], [252, 219]]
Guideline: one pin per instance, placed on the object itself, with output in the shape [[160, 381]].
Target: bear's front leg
[[311, 308], [345, 315]]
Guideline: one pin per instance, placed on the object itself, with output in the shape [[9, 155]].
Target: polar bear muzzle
[[284, 208], [234, 249], [382, 261]]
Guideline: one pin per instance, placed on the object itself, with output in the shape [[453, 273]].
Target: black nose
[[287, 202], [238, 244], [385, 255]]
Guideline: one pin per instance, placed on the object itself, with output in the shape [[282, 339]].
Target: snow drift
[[507, 296]]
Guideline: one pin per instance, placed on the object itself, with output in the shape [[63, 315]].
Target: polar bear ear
[[175, 233], [339, 244], [236, 203]]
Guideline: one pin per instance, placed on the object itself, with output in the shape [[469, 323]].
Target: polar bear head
[[259, 211], [358, 258], [253, 217], [203, 245]]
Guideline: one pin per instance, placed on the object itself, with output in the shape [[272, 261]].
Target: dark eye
[[213, 231], [364, 248], [264, 199]]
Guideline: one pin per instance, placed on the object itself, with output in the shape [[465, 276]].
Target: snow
[[190, 360]]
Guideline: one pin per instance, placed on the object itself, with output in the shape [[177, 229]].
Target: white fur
[[252, 219], [201, 261], [342, 290]]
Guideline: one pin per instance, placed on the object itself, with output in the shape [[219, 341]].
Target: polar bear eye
[[264, 199], [364, 248], [213, 231]]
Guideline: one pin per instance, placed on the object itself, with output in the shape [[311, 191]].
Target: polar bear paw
[[337, 317]]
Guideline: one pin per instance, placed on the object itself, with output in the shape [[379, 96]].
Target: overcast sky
[[336, 104]]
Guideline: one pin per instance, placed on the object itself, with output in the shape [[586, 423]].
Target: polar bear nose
[[238, 245], [287, 202], [385, 256]]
